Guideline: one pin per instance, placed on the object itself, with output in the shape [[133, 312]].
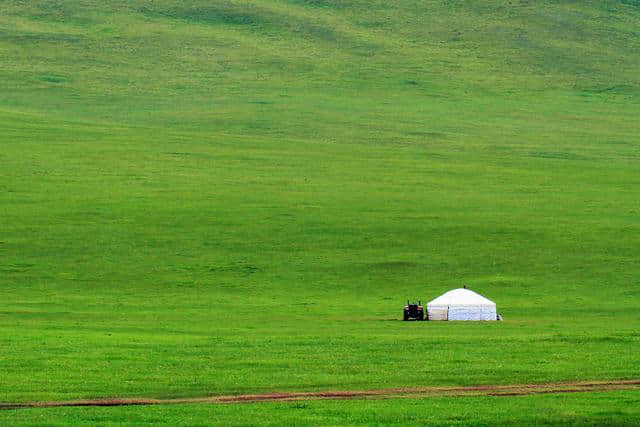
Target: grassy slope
[[234, 196]]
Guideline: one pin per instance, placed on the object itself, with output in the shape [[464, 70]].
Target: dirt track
[[485, 390]]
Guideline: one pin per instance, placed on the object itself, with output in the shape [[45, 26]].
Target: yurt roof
[[461, 296]]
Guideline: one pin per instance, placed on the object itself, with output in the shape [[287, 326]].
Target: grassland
[[615, 408], [226, 197]]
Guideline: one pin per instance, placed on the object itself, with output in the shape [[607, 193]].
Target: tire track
[[413, 392]]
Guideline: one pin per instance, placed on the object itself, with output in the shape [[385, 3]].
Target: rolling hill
[[223, 197]]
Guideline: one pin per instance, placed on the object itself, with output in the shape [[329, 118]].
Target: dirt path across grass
[[483, 390]]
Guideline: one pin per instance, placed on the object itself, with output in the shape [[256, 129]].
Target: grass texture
[[238, 196]]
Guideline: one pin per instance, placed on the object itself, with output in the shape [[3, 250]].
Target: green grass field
[[220, 197], [616, 408]]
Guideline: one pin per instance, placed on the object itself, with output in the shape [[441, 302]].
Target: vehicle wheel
[[406, 316]]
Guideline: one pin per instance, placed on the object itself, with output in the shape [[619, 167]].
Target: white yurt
[[461, 304]]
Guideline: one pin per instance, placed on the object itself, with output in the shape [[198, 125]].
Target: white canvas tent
[[461, 304]]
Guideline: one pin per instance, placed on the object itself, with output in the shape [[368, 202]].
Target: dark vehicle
[[413, 311]]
